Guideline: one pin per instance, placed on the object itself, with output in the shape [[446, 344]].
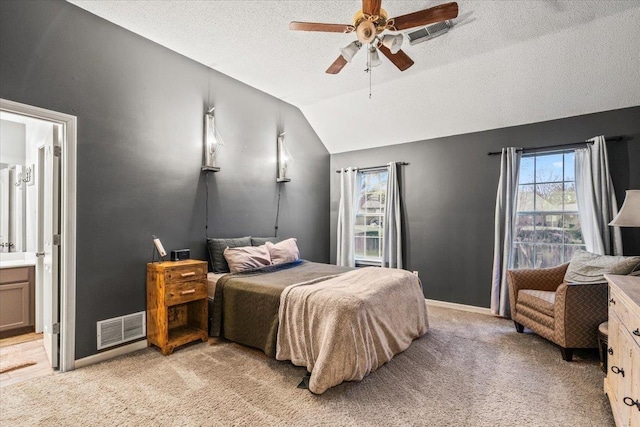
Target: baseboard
[[110, 354], [461, 307]]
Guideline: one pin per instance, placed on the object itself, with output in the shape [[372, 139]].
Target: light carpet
[[469, 370]]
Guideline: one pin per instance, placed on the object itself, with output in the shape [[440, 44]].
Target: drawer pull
[[193, 291], [612, 301], [617, 370], [191, 273], [610, 351], [630, 402], [637, 332]]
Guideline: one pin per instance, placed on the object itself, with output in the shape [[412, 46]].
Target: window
[[370, 216], [547, 224]]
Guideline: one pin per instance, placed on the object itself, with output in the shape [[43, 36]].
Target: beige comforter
[[343, 327]]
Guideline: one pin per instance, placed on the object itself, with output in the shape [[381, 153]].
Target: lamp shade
[[629, 215], [212, 143], [366, 31], [349, 51], [284, 160], [374, 58], [393, 42]]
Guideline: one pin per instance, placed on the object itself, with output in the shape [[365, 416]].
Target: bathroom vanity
[[17, 300]]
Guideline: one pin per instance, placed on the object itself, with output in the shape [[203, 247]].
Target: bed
[[340, 323]]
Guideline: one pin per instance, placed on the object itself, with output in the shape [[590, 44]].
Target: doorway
[[53, 244]]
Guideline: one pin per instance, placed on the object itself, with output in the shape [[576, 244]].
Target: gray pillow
[[216, 249], [586, 267], [259, 241]]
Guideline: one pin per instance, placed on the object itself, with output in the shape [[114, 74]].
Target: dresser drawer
[[627, 316], [178, 293], [184, 273]]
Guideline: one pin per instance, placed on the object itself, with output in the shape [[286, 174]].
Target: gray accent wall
[[449, 190], [140, 112]]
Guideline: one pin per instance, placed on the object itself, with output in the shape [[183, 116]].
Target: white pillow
[[587, 267], [285, 251], [247, 258]]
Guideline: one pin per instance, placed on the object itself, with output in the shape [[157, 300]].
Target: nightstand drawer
[[183, 273], [178, 293]]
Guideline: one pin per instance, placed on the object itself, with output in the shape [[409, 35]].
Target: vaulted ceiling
[[503, 63]]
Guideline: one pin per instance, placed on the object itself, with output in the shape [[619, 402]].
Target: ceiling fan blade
[[337, 65], [400, 59], [426, 17], [315, 26], [371, 7]]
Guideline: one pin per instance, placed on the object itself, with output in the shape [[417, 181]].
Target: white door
[[48, 261]]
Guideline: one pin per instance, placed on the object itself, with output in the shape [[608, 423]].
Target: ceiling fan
[[369, 24]]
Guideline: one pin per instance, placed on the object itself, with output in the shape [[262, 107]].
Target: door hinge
[[56, 239], [55, 328], [57, 150]]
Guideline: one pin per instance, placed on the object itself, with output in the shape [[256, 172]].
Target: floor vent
[[428, 32], [121, 329]]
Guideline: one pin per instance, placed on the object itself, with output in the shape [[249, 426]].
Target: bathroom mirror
[[20, 139]]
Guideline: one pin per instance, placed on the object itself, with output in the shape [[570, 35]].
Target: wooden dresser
[[176, 303], [622, 383]]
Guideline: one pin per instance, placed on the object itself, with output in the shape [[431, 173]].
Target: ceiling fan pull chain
[[369, 68]]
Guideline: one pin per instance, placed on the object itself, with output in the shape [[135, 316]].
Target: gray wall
[[140, 118], [449, 191]]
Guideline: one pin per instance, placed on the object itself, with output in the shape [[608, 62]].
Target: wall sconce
[[212, 143], [284, 160]]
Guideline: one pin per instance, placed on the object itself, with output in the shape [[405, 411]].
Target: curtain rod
[[573, 144], [370, 168]]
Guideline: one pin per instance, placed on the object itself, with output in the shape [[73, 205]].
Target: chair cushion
[[542, 301]]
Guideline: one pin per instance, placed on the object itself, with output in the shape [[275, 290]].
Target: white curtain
[[346, 218], [392, 229], [505, 219], [596, 199]]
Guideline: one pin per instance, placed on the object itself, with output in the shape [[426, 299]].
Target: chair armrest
[[579, 309]]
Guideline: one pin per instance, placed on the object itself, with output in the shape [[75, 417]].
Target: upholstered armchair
[[566, 314]]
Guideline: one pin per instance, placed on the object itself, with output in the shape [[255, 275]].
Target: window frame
[[366, 260], [535, 244]]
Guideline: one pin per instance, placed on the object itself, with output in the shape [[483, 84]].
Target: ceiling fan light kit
[[349, 51], [369, 24], [374, 58], [393, 42]]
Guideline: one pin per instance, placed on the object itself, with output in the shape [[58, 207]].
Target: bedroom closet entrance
[[37, 241]]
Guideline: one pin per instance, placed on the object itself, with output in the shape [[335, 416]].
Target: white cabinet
[[622, 384]]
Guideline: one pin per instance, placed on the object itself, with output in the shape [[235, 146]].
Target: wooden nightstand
[[176, 303]]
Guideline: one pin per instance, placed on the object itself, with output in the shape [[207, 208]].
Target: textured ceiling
[[503, 63]]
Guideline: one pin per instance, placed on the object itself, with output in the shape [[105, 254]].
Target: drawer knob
[[612, 301], [191, 273], [637, 332], [193, 291], [610, 351], [630, 402], [617, 370]]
